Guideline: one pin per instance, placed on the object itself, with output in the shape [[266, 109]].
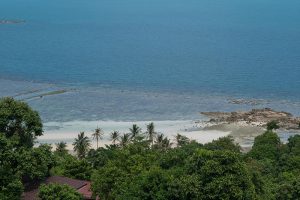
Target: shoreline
[[68, 131], [201, 131]]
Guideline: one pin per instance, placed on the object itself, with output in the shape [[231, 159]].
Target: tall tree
[[10, 182], [290, 189], [162, 142], [35, 163], [151, 132], [272, 125], [125, 139], [181, 140], [98, 135], [19, 121], [223, 143], [81, 145], [294, 145], [61, 148], [266, 146], [78, 169], [159, 139], [135, 131], [222, 175], [114, 136]]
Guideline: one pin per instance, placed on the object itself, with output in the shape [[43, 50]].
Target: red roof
[[86, 190], [83, 187]]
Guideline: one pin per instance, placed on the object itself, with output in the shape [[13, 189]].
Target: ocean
[[150, 60]]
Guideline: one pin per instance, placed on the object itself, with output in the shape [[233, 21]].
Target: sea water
[[131, 60]]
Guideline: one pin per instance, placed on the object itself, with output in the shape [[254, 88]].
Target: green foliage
[[289, 162], [69, 166], [134, 131], [289, 189], [35, 163], [151, 133], [222, 175], [176, 157], [114, 136], [181, 140], [188, 187], [19, 121], [10, 181], [266, 146], [20, 163], [58, 192], [99, 157], [98, 135], [272, 125], [61, 148], [78, 169], [140, 172], [106, 179], [162, 142], [12, 189], [144, 166], [223, 143], [81, 145], [124, 164], [124, 139], [152, 184], [261, 172], [294, 145]]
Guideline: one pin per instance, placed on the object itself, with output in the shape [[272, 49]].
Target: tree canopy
[[58, 192], [19, 121], [146, 166], [81, 145]]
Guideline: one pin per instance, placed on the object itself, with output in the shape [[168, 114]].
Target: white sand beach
[[68, 131], [201, 131]]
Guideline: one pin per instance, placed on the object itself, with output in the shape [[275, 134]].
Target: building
[[83, 187]]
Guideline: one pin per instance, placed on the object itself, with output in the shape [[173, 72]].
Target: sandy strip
[[67, 131]]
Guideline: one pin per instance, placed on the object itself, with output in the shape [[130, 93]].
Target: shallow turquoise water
[[207, 50]]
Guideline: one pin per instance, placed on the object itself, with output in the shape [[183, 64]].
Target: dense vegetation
[[20, 163], [146, 165], [58, 192]]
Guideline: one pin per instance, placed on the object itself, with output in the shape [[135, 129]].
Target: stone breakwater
[[258, 117]]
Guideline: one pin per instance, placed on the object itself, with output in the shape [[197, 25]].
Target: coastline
[[172, 113], [68, 131], [201, 131]]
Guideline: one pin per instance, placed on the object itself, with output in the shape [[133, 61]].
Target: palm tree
[[159, 141], [135, 131], [98, 135], [81, 145], [159, 138], [166, 143], [61, 147], [114, 136], [181, 140], [162, 142], [151, 132], [125, 139]]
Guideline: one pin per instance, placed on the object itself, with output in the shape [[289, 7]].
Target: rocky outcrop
[[259, 117]]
